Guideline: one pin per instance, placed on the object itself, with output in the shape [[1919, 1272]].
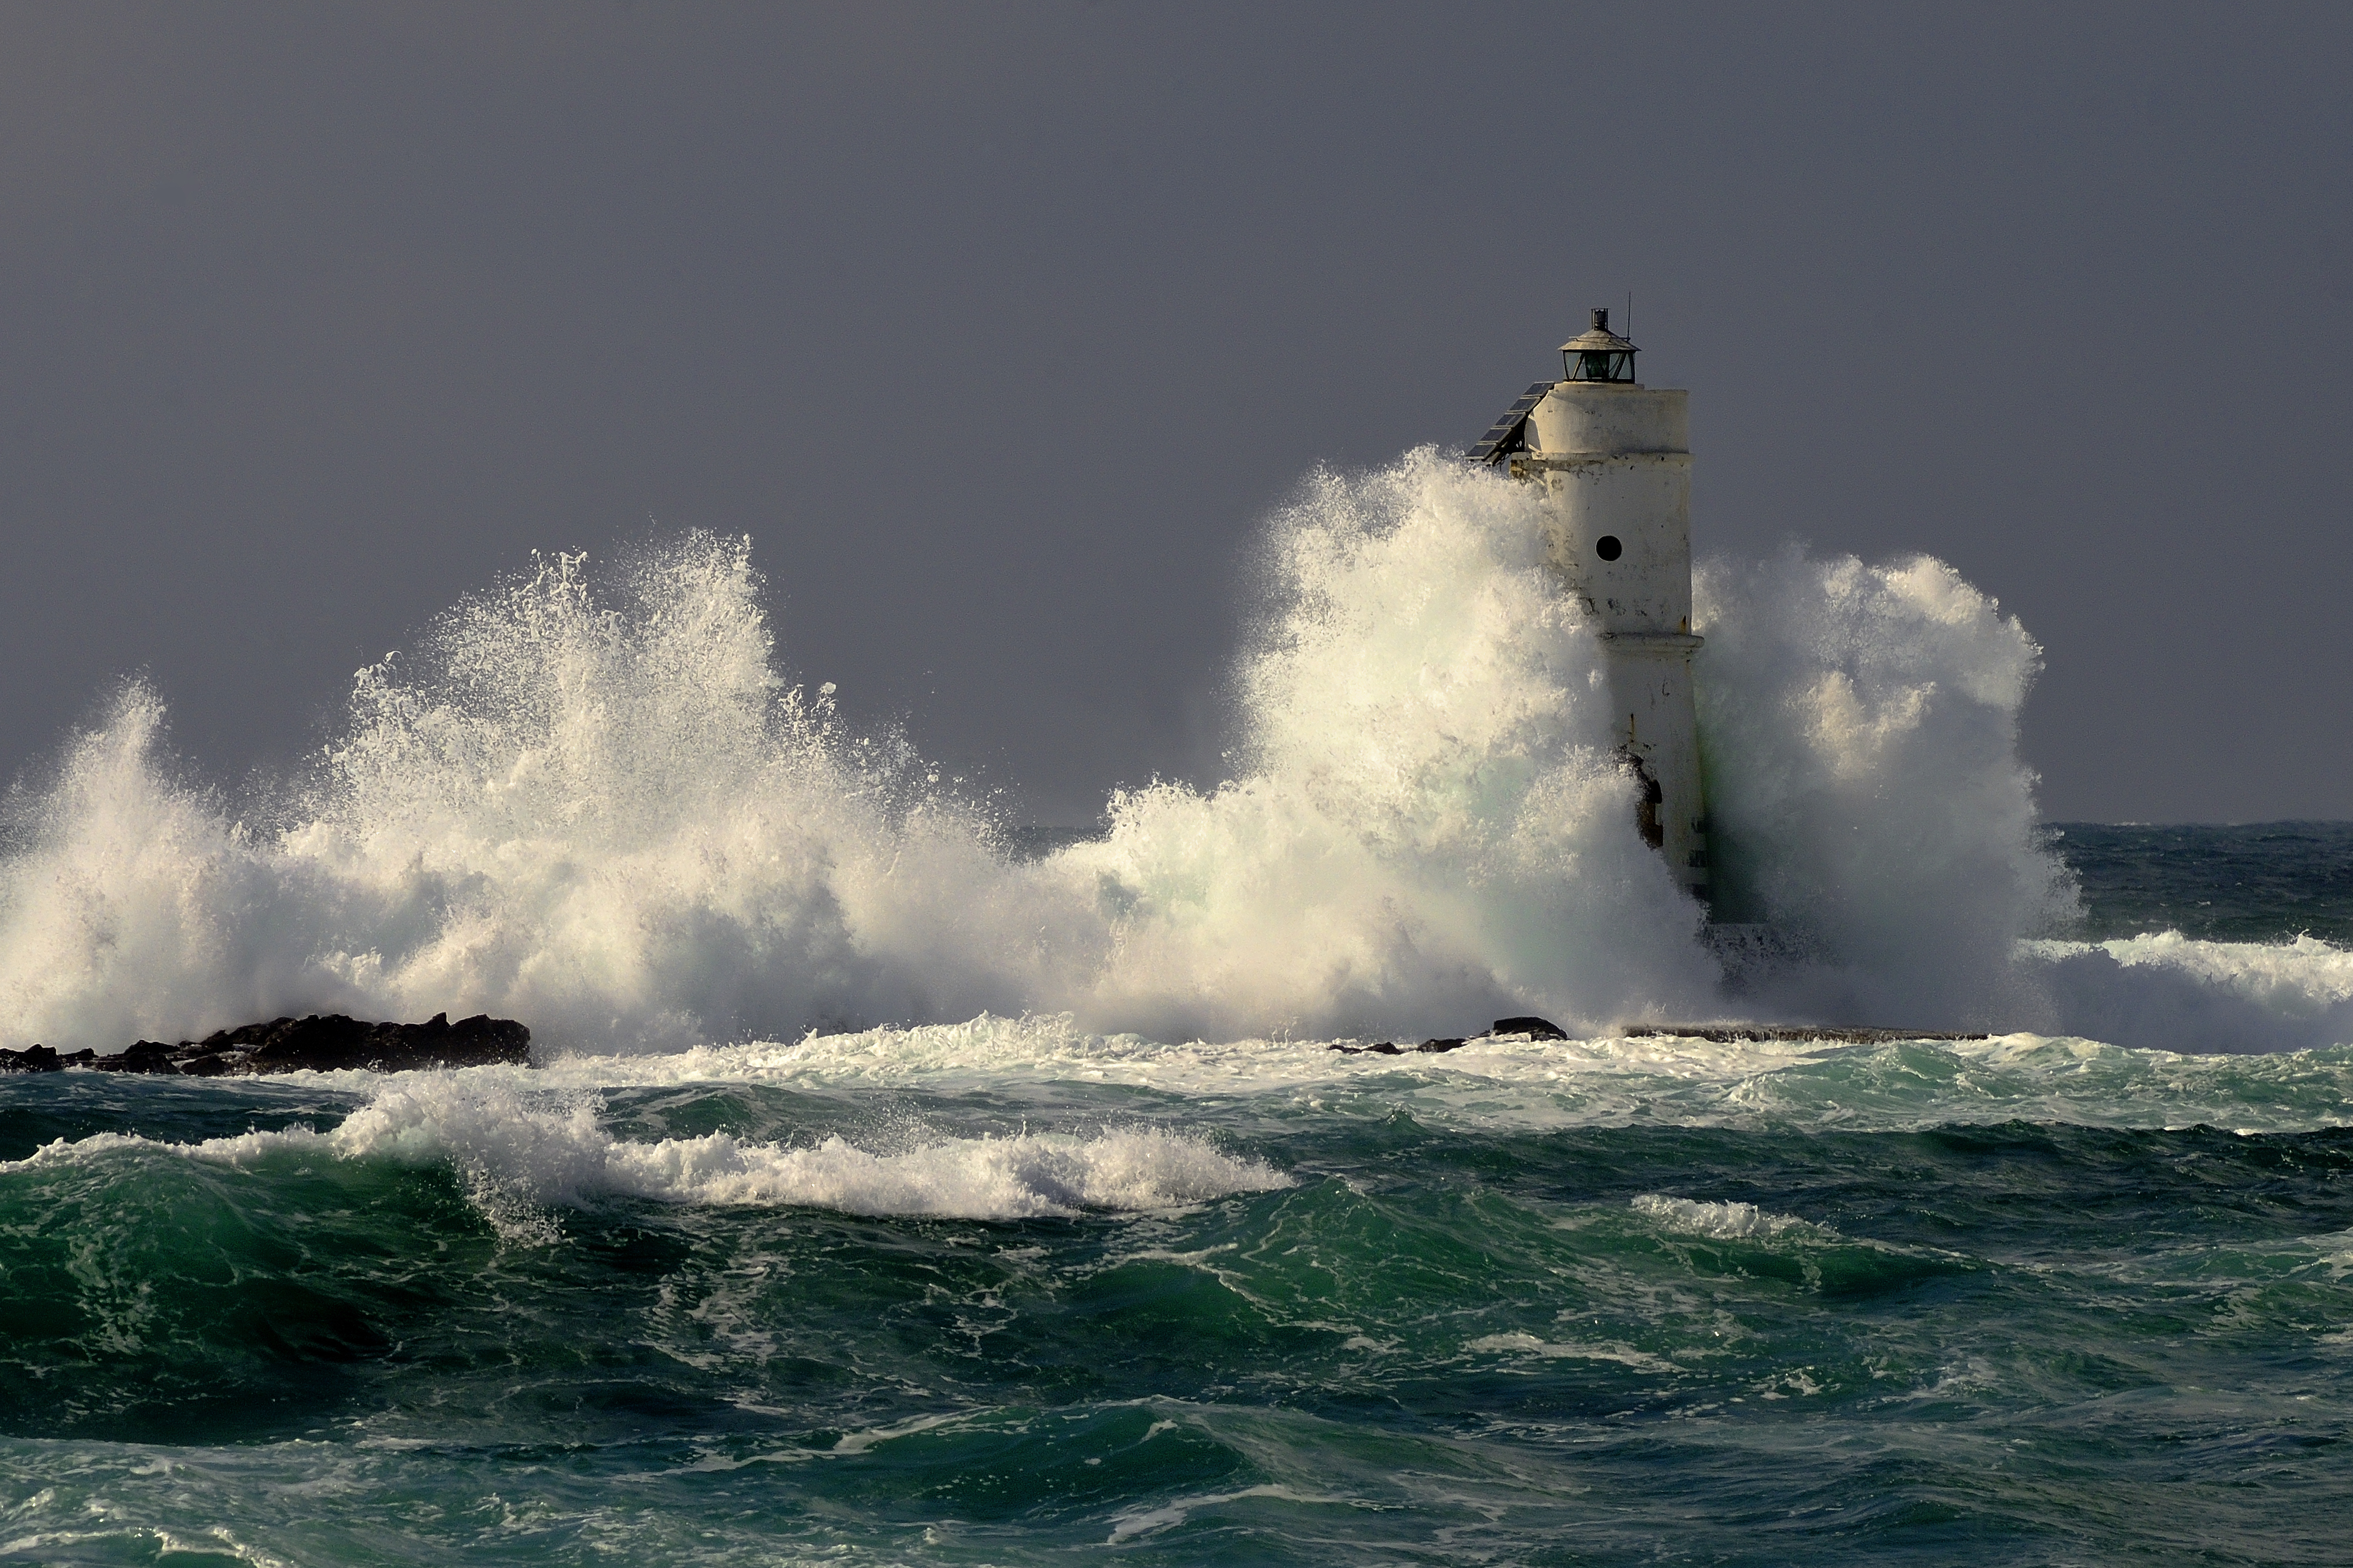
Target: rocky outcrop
[[336, 1041], [317, 1043], [1733, 1034], [145, 1055], [1391, 1048], [1531, 1027]]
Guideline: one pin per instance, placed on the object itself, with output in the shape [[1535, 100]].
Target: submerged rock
[[323, 1044], [1734, 1033], [1391, 1048]]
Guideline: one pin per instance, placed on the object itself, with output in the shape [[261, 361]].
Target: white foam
[[1607, 1080], [1127, 1527], [986, 1052], [521, 1149], [2166, 991], [971, 1178], [2305, 973], [1866, 795], [1555, 1350], [1723, 1220]]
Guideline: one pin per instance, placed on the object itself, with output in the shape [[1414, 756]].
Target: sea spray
[[1428, 827], [596, 803], [2164, 991], [131, 903], [1864, 789], [588, 804], [591, 798]]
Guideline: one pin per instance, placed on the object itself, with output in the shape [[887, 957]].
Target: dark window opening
[[1646, 808]]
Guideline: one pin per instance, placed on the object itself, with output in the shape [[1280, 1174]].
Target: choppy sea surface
[[1009, 1291]]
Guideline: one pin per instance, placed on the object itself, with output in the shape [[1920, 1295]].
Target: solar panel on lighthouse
[[1503, 435]]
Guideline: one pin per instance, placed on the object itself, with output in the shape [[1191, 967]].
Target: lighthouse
[[1614, 459]]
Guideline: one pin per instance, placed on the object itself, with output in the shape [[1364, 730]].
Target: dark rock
[[1728, 1034], [146, 1055], [1534, 1029], [80, 1059], [322, 1043], [32, 1058], [244, 1038]]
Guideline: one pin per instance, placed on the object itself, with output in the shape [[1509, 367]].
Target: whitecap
[[520, 1149], [1723, 1221]]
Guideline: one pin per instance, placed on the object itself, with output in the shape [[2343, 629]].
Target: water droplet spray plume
[[588, 799]]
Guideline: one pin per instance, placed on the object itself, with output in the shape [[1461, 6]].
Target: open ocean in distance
[[1008, 1292]]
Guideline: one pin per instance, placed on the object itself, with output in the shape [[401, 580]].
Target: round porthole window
[[1607, 548]]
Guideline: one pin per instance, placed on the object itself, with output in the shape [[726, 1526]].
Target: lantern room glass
[[1598, 364]]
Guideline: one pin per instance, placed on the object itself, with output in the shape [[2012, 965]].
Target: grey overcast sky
[[1000, 327]]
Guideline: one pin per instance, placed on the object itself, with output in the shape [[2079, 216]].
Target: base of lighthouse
[[1650, 676]]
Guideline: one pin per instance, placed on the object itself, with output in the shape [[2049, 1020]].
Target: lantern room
[[1598, 355]]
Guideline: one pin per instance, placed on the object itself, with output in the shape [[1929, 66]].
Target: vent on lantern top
[[1504, 436]]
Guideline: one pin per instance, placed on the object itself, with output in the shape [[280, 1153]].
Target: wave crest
[[520, 1151]]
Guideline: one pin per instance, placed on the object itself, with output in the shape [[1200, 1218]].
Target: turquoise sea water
[[1008, 1292]]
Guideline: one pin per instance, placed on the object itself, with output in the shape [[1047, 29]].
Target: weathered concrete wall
[[1612, 416]]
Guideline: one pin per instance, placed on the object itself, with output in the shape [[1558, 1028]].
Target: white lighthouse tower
[[1614, 457]]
